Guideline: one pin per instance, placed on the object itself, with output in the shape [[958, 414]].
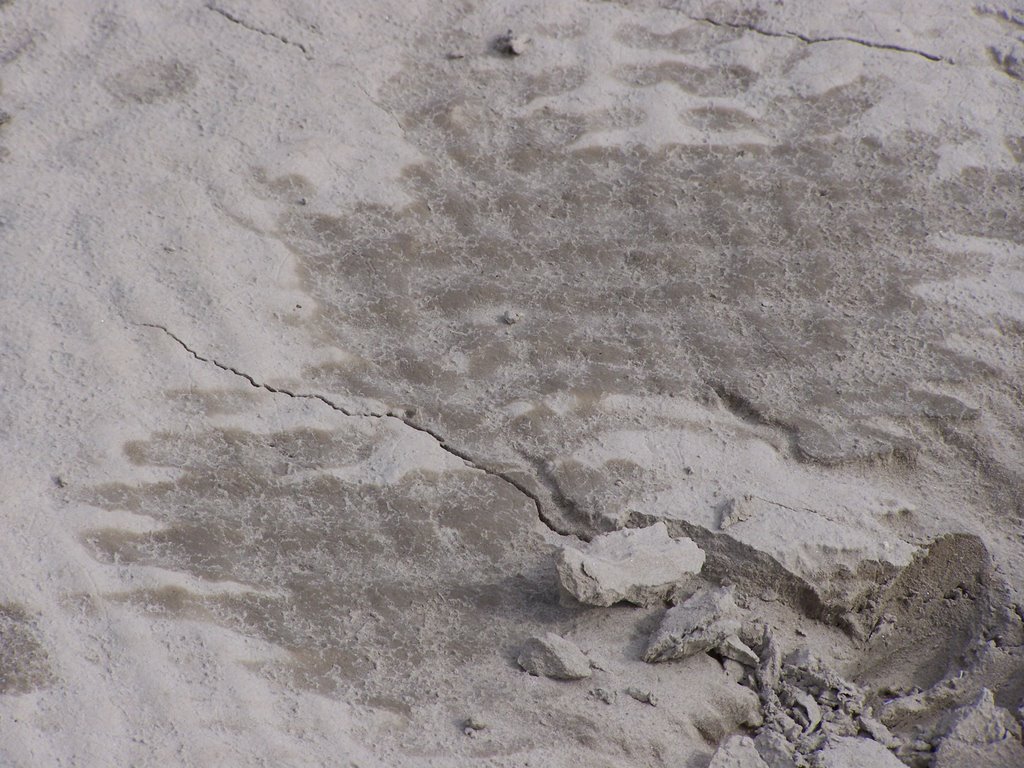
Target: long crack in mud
[[442, 442]]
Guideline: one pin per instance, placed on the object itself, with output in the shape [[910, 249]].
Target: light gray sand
[[324, 327]]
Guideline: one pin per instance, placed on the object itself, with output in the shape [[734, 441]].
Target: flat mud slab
[[339, 340]]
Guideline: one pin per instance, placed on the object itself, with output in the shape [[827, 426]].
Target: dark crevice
[[441, 441], [812, 40], [252, 28]]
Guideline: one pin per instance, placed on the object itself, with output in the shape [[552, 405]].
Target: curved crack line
[[812, 40], [441, 441], [252, 28]]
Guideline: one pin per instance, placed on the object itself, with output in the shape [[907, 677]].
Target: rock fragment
[[640, 565], [702, 623], [981, 735], [806, 710], [775, 750], [877, 731], [770, 667], [737, 752], [852, 752], [733, 648], [603, 694], [511, 44], [734, 510], [643, 695], [472, 725], [555, 657]]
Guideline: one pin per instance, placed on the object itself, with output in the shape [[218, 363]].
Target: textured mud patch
[[152, 82], [409, 593], [24, 664], [375, 589], [780, 270]]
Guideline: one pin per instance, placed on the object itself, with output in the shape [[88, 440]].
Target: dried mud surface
[[346, 323]]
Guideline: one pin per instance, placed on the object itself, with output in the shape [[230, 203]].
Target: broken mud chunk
[[775, 750], [733, 670], [770, 667], [836, 723], [603, 694], [877, 731], [472, 725], [853, 752], [734, 510], [737, 752], [643, 695], [555, 657], [511, 44], [980, 734], [640, 565], [702, 623], [734, 648], [805, 709]]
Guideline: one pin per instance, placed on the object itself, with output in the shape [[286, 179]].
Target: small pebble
[[511, 44], [643, 696], [603, 694]]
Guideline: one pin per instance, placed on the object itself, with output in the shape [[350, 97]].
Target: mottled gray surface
[[326, 326]]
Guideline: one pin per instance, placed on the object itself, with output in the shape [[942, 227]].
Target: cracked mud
[[332, 377]]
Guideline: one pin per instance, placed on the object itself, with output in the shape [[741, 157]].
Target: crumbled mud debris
[[734, 510], [980, 734], [604, 695], [737, 752]]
